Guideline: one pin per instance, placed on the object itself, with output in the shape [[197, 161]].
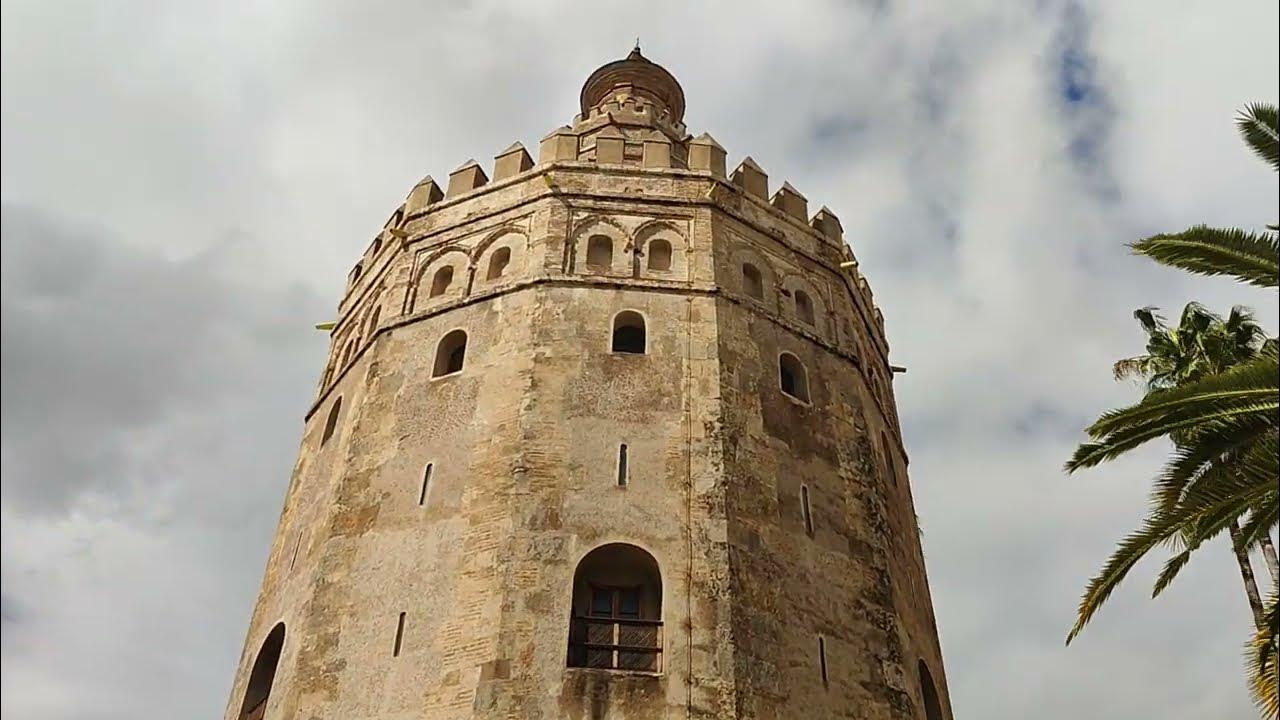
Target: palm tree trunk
[[1269, 554], [1246, 574]]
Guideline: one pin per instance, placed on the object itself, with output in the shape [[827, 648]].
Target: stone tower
[[608, 435]]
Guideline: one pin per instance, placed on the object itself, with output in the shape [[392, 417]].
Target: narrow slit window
[[331, 422], [822, 661], [426, 484], [805, 510], [441, 281], [296, 544], [623, 469], [395, 650]]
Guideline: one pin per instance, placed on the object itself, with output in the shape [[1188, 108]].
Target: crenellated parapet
[[630, 123]]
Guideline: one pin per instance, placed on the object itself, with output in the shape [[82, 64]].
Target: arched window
[[659, 255], [440, 283], [890, 467], [377, 245], [804, 307], [929, 694], [373, 320], [600, 252], [451, 354], [331, 422], [263, 675], [355, 273], [752, 282], [793, 378], [498, 263], [351, 350], [617, 610], [628, 333]]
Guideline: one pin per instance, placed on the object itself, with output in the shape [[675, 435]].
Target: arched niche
[[602, 247], [663, 250]]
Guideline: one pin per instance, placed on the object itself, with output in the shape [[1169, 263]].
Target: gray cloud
[[184, 191]]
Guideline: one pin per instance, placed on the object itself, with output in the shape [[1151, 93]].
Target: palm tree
[[1201, 344], [1225, 425]]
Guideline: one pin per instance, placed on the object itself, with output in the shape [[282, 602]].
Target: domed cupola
[[634, 76]]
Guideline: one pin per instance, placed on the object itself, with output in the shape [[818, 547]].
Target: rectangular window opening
[[395, 650], [622, 465], [426, 481], [805, 511], [822, 660]]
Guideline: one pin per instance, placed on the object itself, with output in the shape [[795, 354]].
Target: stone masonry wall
[[523, 446]]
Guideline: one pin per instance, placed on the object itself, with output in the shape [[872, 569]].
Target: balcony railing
[[615, 644]]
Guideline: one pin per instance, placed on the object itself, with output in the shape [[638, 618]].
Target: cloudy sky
[[186, 184]]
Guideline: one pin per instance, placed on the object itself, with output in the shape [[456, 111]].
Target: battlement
[[631, 119], [604, 144]]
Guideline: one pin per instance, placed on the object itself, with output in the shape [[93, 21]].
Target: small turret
[[706, 154], [423, 194], [752, 179], [512, 161], [826, 222], [657, 150], [610, 146], [559, 144], [466, 178], [790, 201]]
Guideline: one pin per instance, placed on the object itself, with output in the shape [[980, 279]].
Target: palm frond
[[1150, 319], [1260, 523], [1257, 125], [1188, 470], [1141, 366], [1207, 517], [1228, 411], [1249, 384], [1251, 257]]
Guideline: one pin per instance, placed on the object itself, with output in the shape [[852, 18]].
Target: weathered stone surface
[[523, 448]]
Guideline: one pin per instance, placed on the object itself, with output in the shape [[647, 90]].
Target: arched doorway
[[616, 621], [263, 675]]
